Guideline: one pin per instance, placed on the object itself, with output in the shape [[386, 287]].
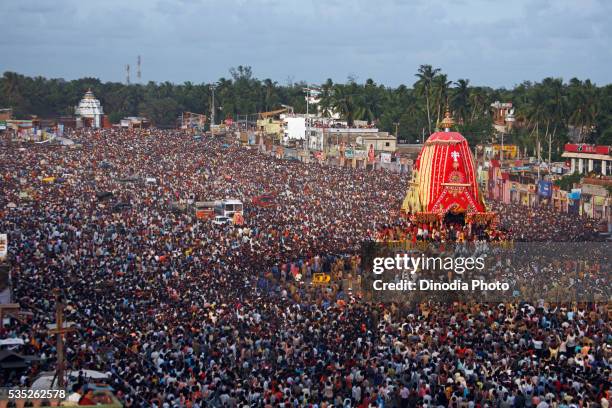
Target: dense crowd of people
[[185, 313]]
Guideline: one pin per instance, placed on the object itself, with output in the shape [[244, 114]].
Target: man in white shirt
[[77, 393]]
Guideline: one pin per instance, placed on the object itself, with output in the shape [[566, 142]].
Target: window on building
[[387, 144], [597, 166]]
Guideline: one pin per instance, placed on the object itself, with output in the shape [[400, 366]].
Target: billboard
[[586, 148], [574, 194], [371, 155], [544, 188], [510, 151]]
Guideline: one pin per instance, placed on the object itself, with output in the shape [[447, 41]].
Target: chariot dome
[[444, 181]]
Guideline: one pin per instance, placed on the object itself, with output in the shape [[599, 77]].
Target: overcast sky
[[497, 43]]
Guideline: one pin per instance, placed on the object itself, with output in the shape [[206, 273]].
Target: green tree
[[425, 75], [344, 102], [460, 102], [440, 86]]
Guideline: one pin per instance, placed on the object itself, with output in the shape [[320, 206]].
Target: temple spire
[[447, 123]]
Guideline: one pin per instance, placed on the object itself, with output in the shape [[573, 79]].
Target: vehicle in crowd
[[222, 220], [229, 207], [204, 210]]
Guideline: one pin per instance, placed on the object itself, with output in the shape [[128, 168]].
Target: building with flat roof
[[503, 116], [330, 138], [585, 158]]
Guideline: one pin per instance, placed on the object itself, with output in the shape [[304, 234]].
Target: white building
[[294, 128], [326, 139], [90, 111]]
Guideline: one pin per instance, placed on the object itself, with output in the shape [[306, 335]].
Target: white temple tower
[[90, 111]]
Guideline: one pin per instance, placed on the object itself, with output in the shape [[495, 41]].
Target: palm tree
[[369, 103], [441, 85], [426, 75], [270, 96], [344, 103], [477, 102], [536, 113], [555, 108], [461, 99], [326, 102], [584, 106], [13, 91]]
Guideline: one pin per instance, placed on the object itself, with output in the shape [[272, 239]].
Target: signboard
[[586, 148], [510, 151], [238, 219], [2, 124], [320, 278], [575, 194], [280, 152], [371, 155], [544, 188], [359, 154], [385, 157], [3, 245]]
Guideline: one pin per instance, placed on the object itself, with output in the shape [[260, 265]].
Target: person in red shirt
[[87, 399]]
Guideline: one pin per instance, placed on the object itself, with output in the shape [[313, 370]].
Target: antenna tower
[[138, 73]]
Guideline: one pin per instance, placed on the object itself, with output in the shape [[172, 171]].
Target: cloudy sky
[[497, 43]]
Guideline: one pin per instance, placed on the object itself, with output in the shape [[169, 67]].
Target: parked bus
[[228, 208], [205, 210]]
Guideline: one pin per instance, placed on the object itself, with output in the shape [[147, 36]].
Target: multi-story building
[[503, 116], [328, 139]]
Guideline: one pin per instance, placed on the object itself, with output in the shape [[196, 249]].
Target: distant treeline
[[550, 109]]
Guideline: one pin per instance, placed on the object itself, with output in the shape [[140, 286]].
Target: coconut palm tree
[[426, 74], [344, 103], [555, 108], [369, 102], [460, 101], [13, 90], [270, 95], [536, 113], [326, 98], [584, 106], [440, 87], [478, 102]]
